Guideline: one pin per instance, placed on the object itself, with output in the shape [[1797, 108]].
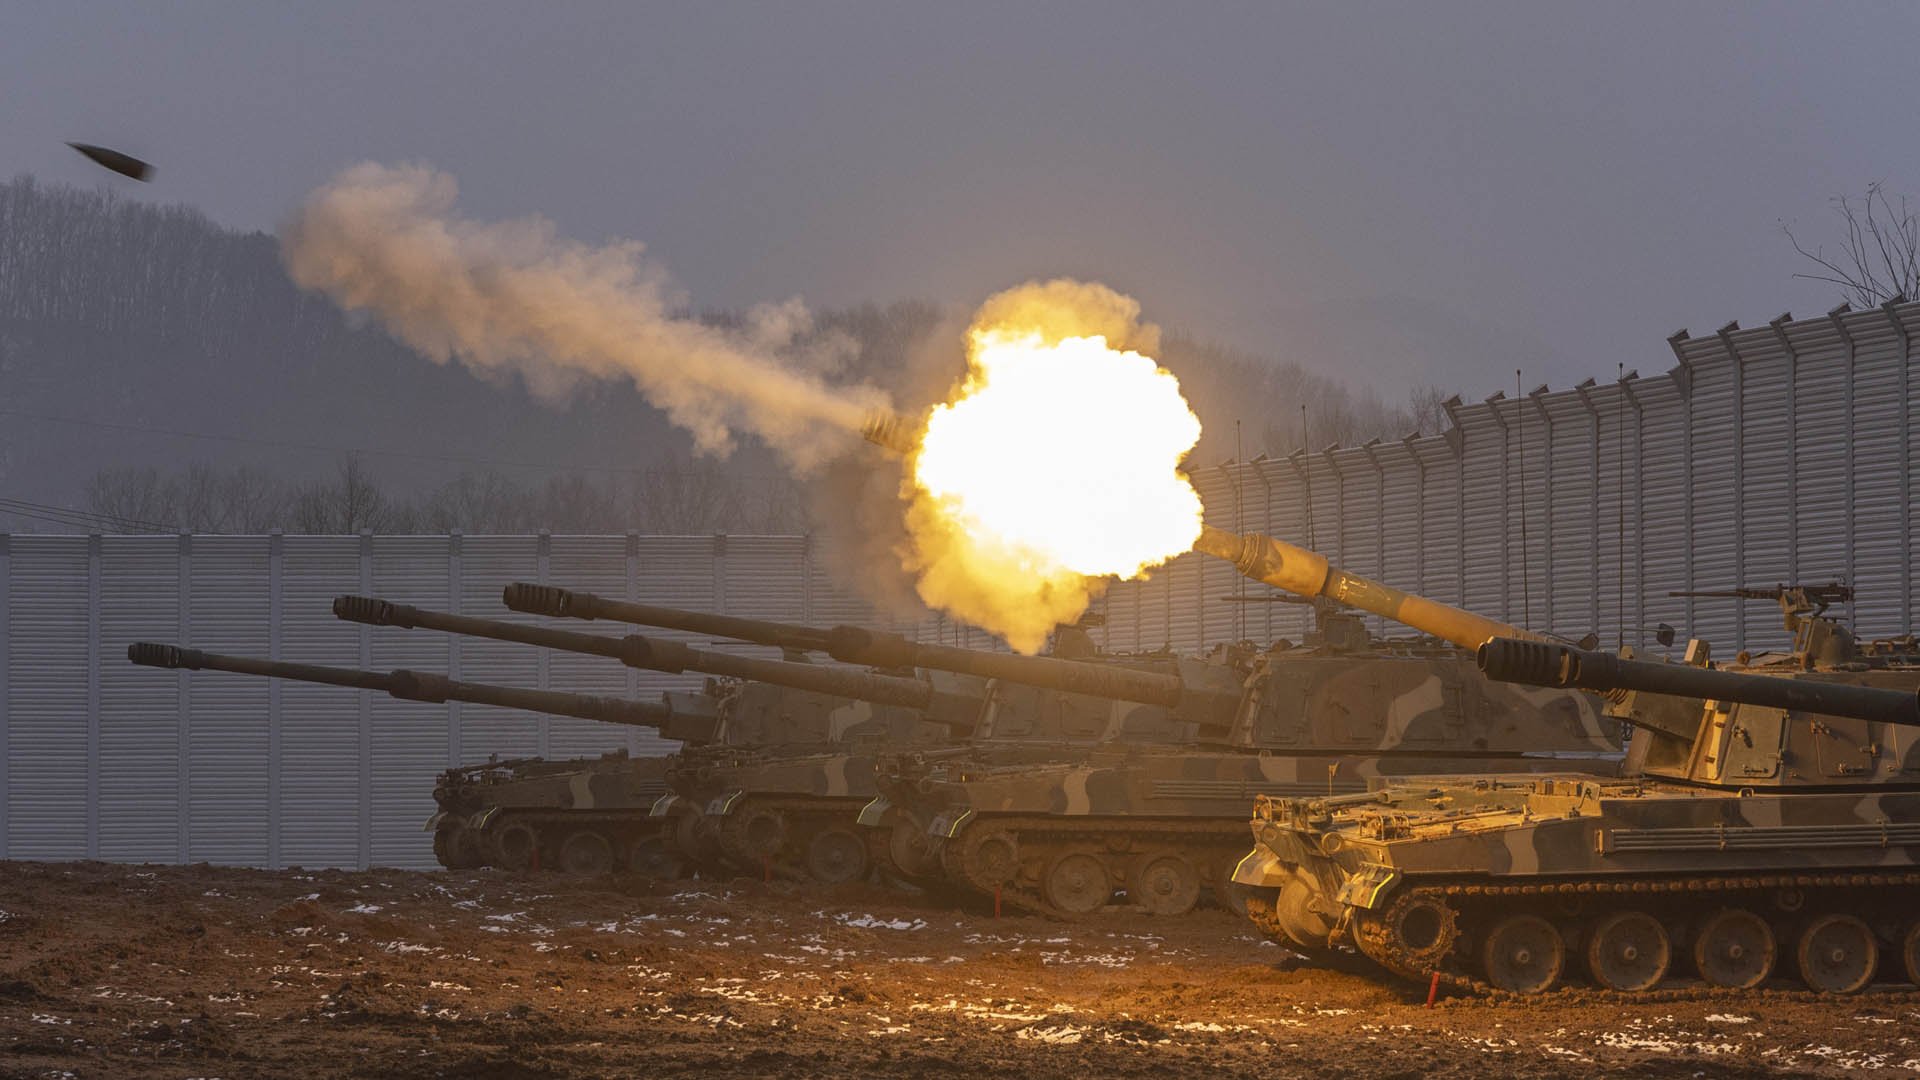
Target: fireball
[[1053, 470]]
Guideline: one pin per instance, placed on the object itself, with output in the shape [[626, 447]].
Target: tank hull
[[1441, 878], [1158, 830], [585, 817]]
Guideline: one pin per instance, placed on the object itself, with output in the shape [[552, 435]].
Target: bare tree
[[351, 502], [685, 497], [774, 505], [1427, 406], [575, 503], [133, 495], [1879, 256]]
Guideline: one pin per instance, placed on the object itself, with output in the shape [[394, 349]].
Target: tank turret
[[1770, 728]]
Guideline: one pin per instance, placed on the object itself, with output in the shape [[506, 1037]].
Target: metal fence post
[[183, 594], [6, 635], [456, 717], [365, 697], [93, 696]]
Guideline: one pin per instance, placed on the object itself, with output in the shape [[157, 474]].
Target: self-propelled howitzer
[[1772, 824], [779, 789], [1154, 759], [489, 812]]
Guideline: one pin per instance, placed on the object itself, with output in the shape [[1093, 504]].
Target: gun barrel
[[1546, 663], [856, 645], [1308, 573], [562, 603], [409, 685], [653, 654]]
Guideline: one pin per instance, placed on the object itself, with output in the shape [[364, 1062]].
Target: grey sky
[[1398, 194]]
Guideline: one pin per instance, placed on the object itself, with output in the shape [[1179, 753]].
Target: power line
[[63, 515], [374, 451]]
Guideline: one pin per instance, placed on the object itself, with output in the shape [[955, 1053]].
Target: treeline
[[122, 315], [682, 497]]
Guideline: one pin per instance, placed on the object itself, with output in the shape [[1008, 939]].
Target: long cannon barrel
[[856, 645], [1307, 573], [571, 604], [410, 685], [1545, 663], [653, 654]]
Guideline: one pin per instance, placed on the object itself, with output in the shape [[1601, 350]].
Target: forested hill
[[127, 329], [154, 317]]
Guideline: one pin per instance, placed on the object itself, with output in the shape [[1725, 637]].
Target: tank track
[[1371, 937], [625, 827], [1041, 838], [801, 818]]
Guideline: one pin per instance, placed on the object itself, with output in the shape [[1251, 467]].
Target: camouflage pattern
[[610, 795], [1171, 785], [1756, 838]]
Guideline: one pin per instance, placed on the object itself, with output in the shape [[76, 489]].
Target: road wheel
[[985, 859], [836, 855], [1629, 951], [1076, 883], [1523, 954], [1837, 954], [1164, 884], [759, 833], [456, 848], [1910, 953], [910, 849], [655, 857], [514, 845], [586, 853], [1413, 936], [1735, 949], [693, 836]]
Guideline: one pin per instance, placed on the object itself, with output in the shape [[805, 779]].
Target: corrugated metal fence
[[1776, 454], [1783, 453], [111, 761]]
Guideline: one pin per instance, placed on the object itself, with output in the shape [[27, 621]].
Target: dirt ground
[[203, 972]]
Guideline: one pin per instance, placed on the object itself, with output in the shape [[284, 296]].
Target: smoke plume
[[513, 298]]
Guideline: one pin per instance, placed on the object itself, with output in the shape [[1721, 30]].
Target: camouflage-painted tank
[[507, 813], [1157, 820], [1770, 823], [592, 816], [777, 812], [1161, 821], [804, 727]]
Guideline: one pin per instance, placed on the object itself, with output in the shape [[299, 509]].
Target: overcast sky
[[1429, 193]]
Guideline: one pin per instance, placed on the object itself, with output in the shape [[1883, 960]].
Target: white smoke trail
[[513, 297]]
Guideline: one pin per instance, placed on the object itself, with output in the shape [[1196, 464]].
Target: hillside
[[136, 337]]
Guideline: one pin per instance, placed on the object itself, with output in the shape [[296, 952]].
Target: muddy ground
[[202, 972]]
